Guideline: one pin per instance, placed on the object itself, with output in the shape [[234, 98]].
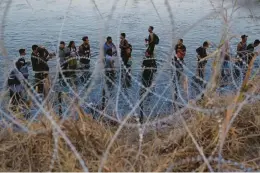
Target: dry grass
[[159, 150]]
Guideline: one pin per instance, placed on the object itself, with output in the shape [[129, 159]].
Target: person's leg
[[12, 97], [41, 83], [103, 99], [200, 70], [203, 70], [36, 82]]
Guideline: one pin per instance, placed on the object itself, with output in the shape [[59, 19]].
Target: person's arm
[[115, 50], [80, 52]]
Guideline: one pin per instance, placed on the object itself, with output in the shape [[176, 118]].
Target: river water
[[45, 22]]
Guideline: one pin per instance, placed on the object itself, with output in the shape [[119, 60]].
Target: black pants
[[201, 69], [147, 79], [39, 82], [150, 49], [15, 98]]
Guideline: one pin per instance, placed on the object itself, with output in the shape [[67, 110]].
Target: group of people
[[244, 56], [70, 55], [68, 58]]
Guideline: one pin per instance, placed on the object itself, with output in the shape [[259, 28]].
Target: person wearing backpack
[[124, 46], [152, 40]]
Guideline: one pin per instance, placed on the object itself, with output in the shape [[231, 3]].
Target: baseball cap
[[85, 38], [244, 36]]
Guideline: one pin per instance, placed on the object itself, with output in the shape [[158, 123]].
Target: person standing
[[44, 56], [110, 45], [24, 69], [241, 55], [250, 50], [152, 40], [124, 46], [179, 45], [84, 53], [64, 54], [241, 47], [73, 55], [202, 53], [15, 85], [39, 58], [179, 79], [35, 60], [109, 76], [109, 67]]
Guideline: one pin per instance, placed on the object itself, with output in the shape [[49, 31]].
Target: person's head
[[206, 44], [122, 36], [34, 48], [150, 29], [244, 38], [256, 43], [85, 40], [180, 41], [181, 52], [109, 40], [71, 44], [22, 52], [62, 45], [109, 52]]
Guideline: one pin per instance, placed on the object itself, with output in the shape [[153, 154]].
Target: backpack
[[131, 48], [156, 39]]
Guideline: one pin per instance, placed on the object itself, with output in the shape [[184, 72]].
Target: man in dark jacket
[[39, 58], [202, 53], [84, 53], [124, 46]]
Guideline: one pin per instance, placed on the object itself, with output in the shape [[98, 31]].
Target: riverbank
[[160, 149]]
